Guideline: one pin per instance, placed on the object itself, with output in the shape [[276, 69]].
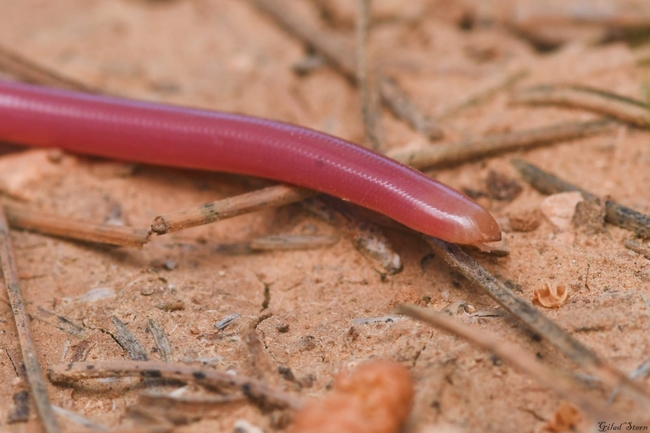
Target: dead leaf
[[565, 419]]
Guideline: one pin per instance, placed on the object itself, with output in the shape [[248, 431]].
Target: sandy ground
[[226, 55]]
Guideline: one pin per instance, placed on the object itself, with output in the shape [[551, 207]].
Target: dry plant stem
[[614, 17], [272, 196], [330, 46], [80, 420], [292, 242], [27, 70], [616, 214], [29, 219], [622, 108], [638, 247], [532, 318], [26, 340], [478, 147], [184, 409], [60, 322], [251, 388], [370, 108], [501, 82], [562, 384]]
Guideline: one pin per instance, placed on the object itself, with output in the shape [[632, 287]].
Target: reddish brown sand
[[225, 55]]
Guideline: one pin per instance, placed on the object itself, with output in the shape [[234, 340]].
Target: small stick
[[625, 109], [79, 419], [562, 384], [330, 46], [292, 242], [616, 214], [28, 70], [638, 247], [370, 108], [603, 16], [251, 388], [63, 323], [486, 92], [642, 371], [156, 398], [186, 409], [531, 317], [456, 153], [33, 220], [128, 236], [230, 207], [30, 358]]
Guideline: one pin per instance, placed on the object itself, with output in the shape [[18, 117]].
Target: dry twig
[[184, 409], [456, 153], [532, 318], [80, 420], [62, 323], [292, 242], [616, 214], [340, 55], [564, 385], [28, 70], [251, 388], [370, 107], [272, 196], [54, 225], [486, 92], [625, 109], [28, 349]]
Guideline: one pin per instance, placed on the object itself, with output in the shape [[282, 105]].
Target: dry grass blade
[[79, 420], [616, 214], [486, 92], [329, 45], [187, 409], [54, 225], [370, 107], [625, 109], [61, 322], [292, 242], [564, 385], [532, 318], [272, 196], [478, 147], [27, 70], [30, 358], [251, 388]]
